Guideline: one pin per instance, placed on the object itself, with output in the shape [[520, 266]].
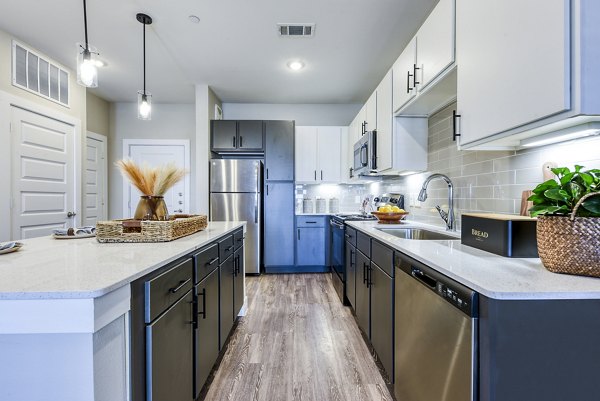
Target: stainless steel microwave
[[365, 154]]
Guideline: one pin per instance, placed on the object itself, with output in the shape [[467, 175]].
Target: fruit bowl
[[389, 217]]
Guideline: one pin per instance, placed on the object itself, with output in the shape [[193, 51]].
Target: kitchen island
[[65, 309]]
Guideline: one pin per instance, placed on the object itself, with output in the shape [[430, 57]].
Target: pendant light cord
[[85, 25], [144, 36]]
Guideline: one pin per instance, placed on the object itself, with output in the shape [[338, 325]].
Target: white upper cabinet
[[435, 43], [514, 61], [384, 123], [403, 71], [371, 112], [423, 74], [306, 154], [318, 157]]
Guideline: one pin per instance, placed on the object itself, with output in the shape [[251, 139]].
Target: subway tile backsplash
[[484, 181]]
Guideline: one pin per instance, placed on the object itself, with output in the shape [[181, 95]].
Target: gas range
[[353, 217]]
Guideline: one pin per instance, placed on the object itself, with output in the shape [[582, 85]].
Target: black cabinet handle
[[212, 261], [267, 174], [369, 276], [415, 82], [241, 239], [237, 266], [365, 278], [241, 139], [203, 313], [408, 75], [315, 175], [298, 234], [352, 257], [229, 248], [455, 133], [347, 235], [180, 286], [234, 141], [321, 175], [310, 222]]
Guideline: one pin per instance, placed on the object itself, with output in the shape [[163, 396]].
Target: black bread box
[[503, 234]]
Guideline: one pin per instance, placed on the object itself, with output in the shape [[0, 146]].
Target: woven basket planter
[[569, 244]]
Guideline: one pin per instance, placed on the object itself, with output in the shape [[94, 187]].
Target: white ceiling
[[235, 48]]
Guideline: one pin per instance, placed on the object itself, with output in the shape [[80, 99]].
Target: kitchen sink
[[417, 233]]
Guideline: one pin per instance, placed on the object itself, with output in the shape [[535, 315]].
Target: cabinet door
[[351, 274], [306, 154], [329, 144], [169, 354], [250, 135], [363, 294], [384, 123], [310, 246], [371, 112], [226, 271], [382, 317], [514, 66], [403, 75], [279, 224], [206, 341], [238, 281], [279, 150], [435, 43], [223, 135]]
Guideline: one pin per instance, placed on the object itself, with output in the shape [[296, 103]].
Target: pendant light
[[144, 97], [87, 69]]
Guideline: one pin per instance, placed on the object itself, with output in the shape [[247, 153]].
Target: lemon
[[396, 209]]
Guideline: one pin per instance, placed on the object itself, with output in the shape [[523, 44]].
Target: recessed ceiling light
[[296, 65], [194, 19]]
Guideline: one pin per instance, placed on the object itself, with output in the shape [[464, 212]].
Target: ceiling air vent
[[296, 30], [36, 73]]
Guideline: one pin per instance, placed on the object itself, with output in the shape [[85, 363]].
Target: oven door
[[338, 270]]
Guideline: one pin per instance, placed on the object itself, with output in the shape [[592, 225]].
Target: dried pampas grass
[[151, 181]]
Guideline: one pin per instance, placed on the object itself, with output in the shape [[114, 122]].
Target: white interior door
[[43, 174], [177, 198], [95, 179]]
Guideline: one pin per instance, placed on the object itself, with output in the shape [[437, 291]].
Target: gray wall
[[303, 114], [169, 121], [97, 114]]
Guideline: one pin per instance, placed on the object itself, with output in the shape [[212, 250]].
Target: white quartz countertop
[[491, 275], [47, 268]]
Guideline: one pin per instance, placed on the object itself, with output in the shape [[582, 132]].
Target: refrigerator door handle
[[256, 211]]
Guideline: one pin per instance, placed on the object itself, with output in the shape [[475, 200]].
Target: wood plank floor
[[297, 342]]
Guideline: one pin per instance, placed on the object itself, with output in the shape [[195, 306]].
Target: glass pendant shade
[[144, 105], [87, 68]]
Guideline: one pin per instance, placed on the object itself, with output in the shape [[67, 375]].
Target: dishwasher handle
[[422, 277]]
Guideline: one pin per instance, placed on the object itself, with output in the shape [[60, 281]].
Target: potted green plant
[[568, 225]]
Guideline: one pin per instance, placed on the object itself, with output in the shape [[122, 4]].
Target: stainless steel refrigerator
[[235, 195]]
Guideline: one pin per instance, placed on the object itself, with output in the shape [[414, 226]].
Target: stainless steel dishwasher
[[435, 336]]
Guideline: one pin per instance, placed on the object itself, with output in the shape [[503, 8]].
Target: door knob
[[71, 214]]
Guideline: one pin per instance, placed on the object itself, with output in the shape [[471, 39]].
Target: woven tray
[[129, 230]]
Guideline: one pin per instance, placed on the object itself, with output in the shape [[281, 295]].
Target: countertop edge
[[490, 293], [97, 293]]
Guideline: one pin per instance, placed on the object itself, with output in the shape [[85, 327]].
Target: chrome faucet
[[449, 216]]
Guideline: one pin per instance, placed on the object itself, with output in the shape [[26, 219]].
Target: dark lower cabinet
[[351, 274], [363, 294], [238, 281], [226, 291], [168, 357], [382, 317], [206, 335]]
